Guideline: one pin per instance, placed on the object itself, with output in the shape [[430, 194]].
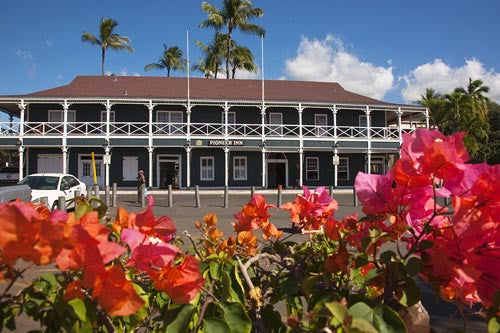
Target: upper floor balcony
[[200, 130]]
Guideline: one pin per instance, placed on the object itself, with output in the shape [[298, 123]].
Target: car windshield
[[41, 182]]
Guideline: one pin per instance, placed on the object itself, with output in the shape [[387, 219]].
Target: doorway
[[169, 171], [277, 173], [377, 166]]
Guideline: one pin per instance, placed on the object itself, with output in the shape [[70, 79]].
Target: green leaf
[[177, 320], [337, 310], [78, 308], [215, 270], [82, 209], [228, 292], [493, 325], [388, 320], [412, 293], [387, 256], [272, 319], [236, 317], [361, 325], [414, 266], [215, 325], [50, 278]]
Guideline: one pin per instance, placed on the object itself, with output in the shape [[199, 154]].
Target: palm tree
[[170, 59], [475, 91], [457, 107], [233, 15], [203, 67], [214, 53], [242, 58], [107, 38], [435, 103]]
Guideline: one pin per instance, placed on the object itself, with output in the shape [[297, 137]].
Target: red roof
[[202, 88]]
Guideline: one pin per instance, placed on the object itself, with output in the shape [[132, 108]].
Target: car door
[[66, 188]]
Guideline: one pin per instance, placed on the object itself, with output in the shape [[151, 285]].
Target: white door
[[85, 172], [49, 163]]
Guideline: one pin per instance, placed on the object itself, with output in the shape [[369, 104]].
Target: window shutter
[[130, 167]]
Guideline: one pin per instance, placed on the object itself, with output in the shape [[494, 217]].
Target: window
[[231, 121], [170, 121], [206, 168], [57, 116], [240, 168], [130, 167], [321, 121], [275, 118], [111, 120], [312, 168], [343, 168]]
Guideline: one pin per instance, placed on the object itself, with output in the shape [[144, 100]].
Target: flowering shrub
[[356, 274]]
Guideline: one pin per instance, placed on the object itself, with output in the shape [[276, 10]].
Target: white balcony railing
[[199, 129]]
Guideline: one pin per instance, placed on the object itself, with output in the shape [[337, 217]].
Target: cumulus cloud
[[328, 60], [122, 72], [444, 78], [28, 61], [247, 75]]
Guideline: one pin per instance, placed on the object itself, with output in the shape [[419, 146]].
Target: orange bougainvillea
[[115, 293], [254, 215], [32, 235], [73, 290], [181, 282]]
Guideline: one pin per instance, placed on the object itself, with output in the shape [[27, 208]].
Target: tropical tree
[[475, 91], [242, 58], [171, 59], [214, 53], [107, 38], [435, 103], [234, 14]]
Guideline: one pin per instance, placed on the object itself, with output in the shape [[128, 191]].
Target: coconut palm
[[233, 15], [171, 59], [435, 103], [242, 58], [475, 91], [202, 66], [107, 39], [214, 52]]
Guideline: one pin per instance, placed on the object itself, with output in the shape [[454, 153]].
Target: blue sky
[[391, 50]]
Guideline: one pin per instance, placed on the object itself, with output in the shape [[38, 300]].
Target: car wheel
[[55, 204]]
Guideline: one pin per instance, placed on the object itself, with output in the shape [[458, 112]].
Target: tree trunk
[[229, 34], [102, 61]]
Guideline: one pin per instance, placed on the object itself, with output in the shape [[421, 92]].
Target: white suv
[[52, 186]]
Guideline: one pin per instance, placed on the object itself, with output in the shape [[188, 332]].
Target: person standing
[[141, 181]]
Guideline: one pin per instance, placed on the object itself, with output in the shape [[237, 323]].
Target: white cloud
[[328, 60], [48, 43], [28, 61], [444, 79], [246, 75], [122, 72]]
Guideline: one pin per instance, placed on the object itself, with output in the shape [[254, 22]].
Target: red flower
[[254, 216], [181, 282]]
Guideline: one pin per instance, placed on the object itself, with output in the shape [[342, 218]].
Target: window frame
[[346, 171], [278, 128], [209, 168], [312, 158], [321, 129], [239, 167], [73, 112], [133, 175]]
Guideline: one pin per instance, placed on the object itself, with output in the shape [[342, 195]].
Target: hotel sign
[[225, 143]]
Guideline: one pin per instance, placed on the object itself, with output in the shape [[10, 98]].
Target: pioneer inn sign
[[205, 132]]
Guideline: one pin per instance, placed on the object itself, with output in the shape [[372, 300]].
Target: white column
[[301, 166], [21, 162], [64, 159], [263, 166], [426, 117], [22, 108], [65, 136], [336, 167], [150, 123], [108, 118], [334, 111], [188, 166], [226, 130], [369, 135], [150, 173], [107, 158], [188, 116], [226, 166], [400, 129]]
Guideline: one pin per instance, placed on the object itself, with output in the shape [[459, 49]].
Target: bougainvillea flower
[[123, 219], [115, 294], [248, 241], [92, 250], [375, 193], [337, 262], [269, 231], [147, 251], [311, 210], [73, 290], [253, 214], [210, 220], [27, 234], [181, 282]]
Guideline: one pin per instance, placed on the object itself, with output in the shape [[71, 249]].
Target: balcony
[[199, 130]]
